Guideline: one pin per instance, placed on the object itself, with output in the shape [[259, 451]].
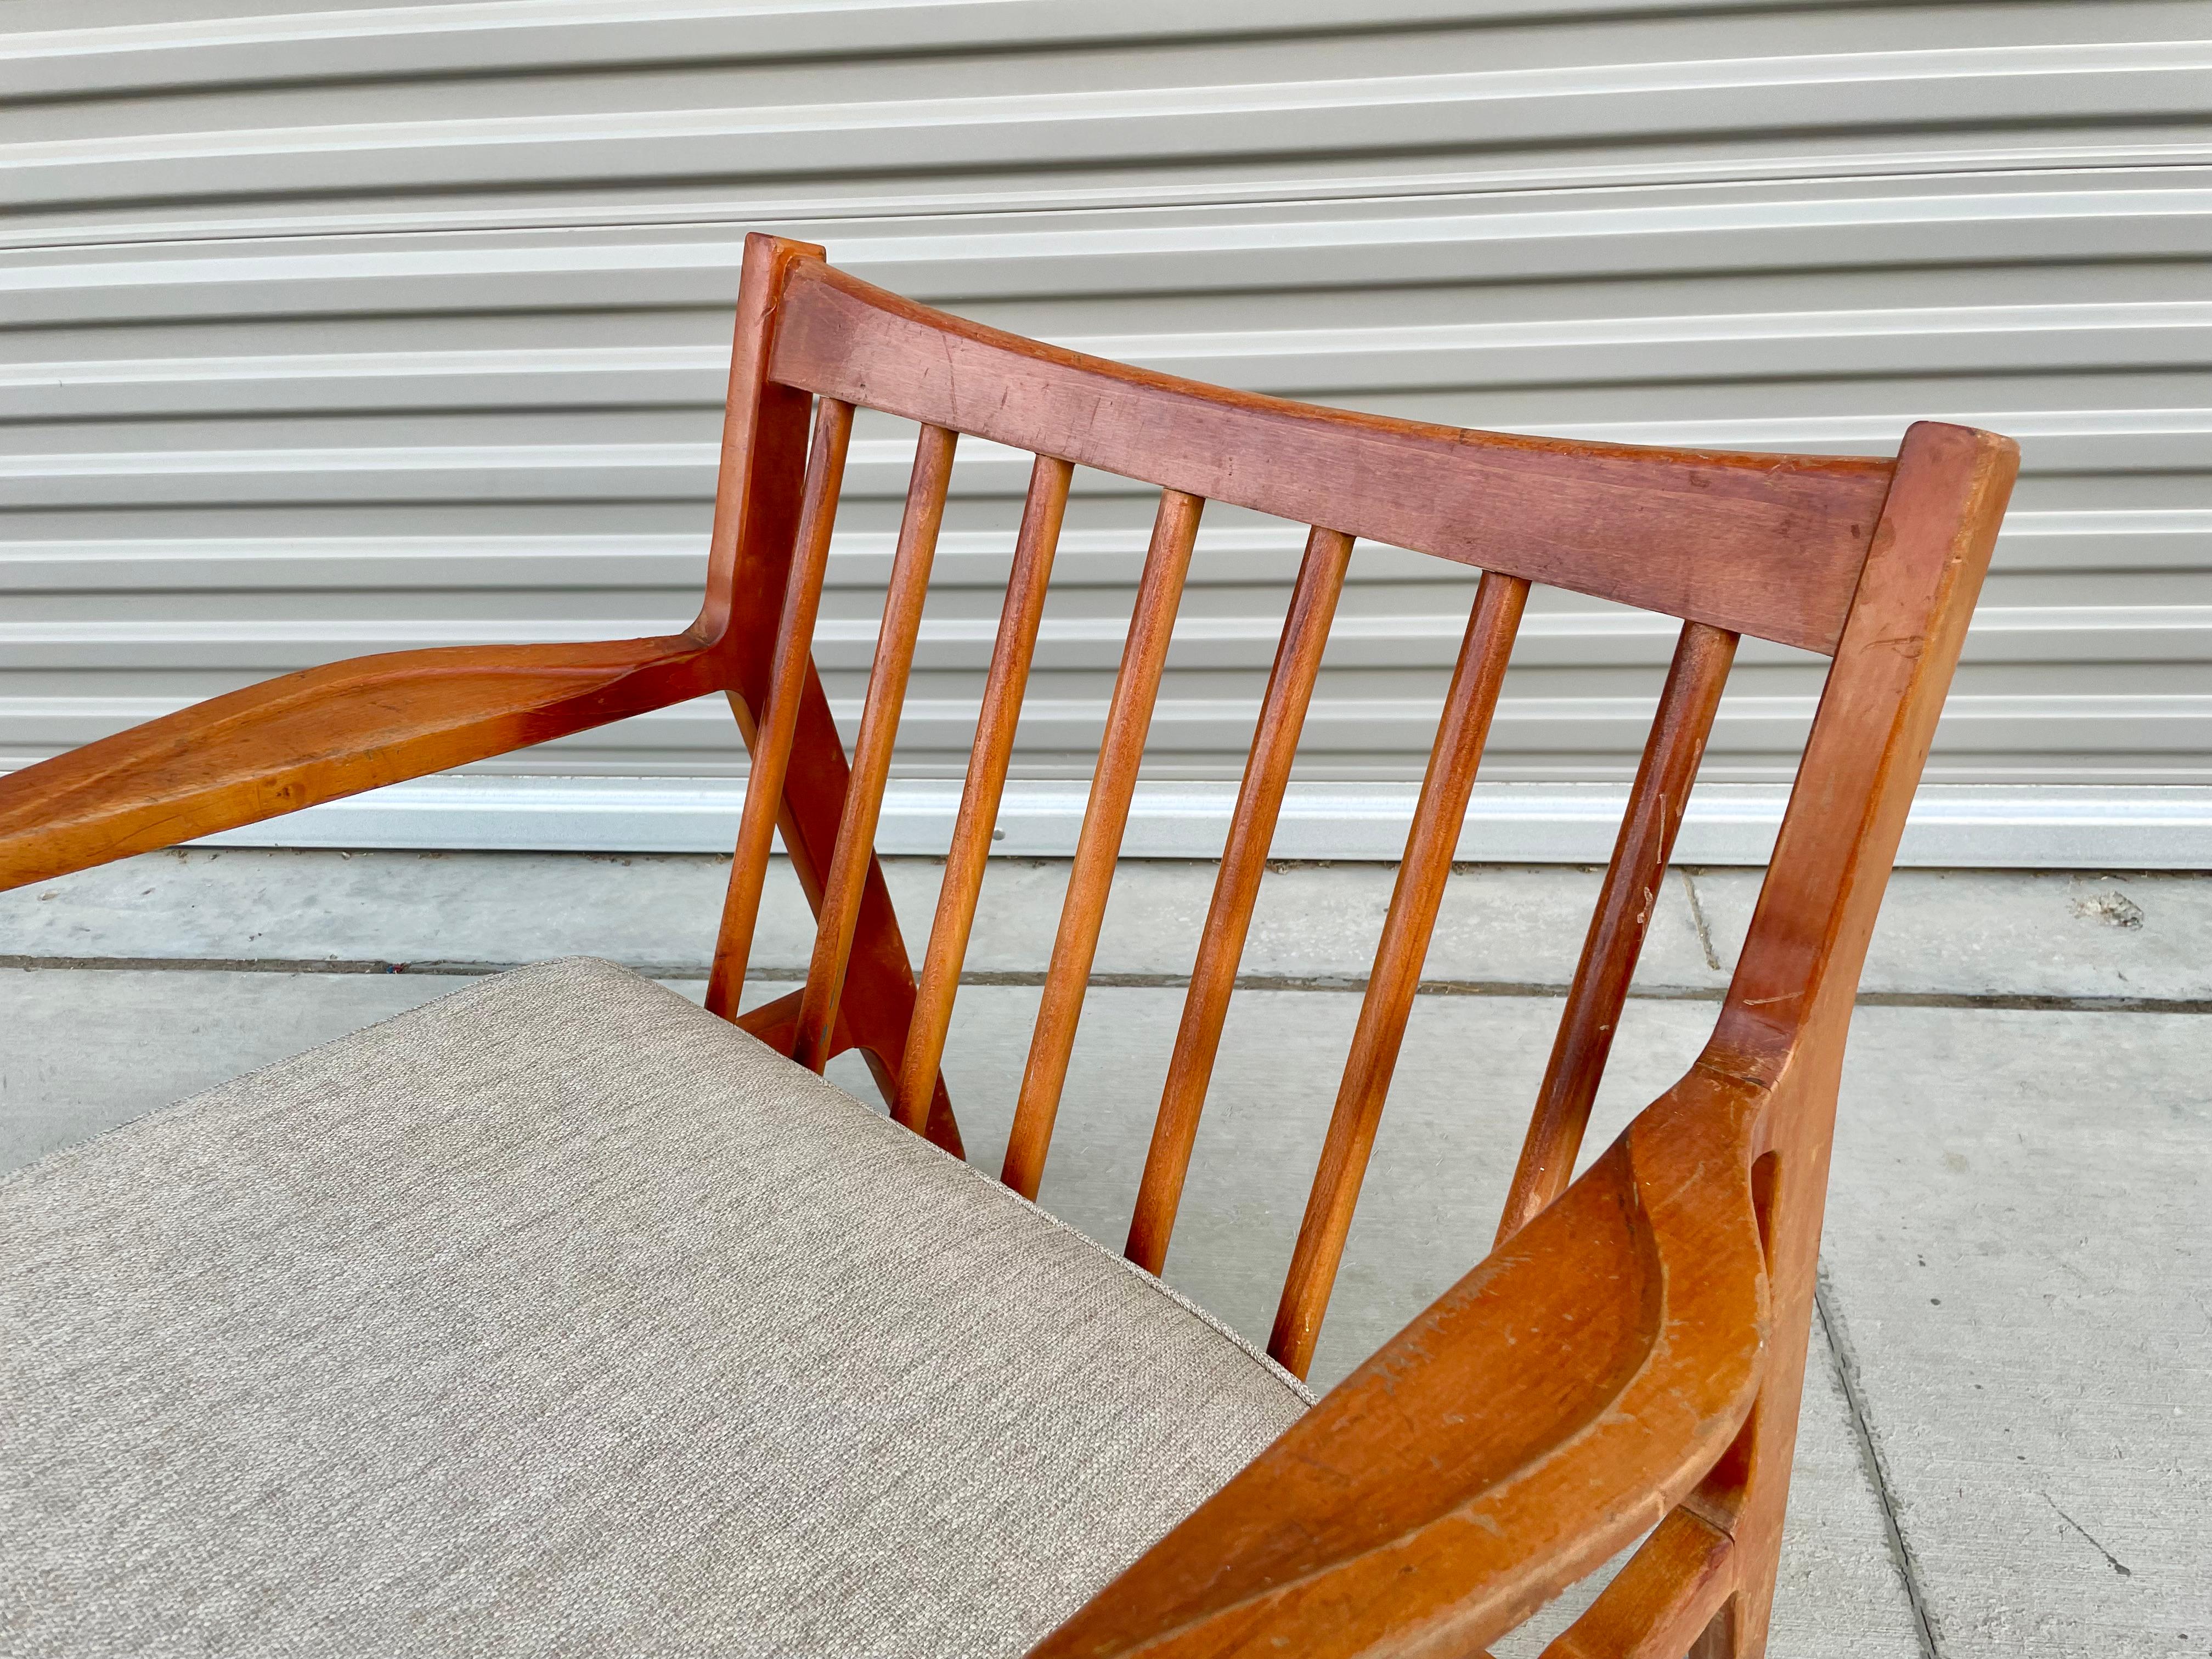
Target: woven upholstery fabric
[[558, 1316]]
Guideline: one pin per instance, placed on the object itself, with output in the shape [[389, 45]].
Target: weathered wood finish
[[323, 733], [1662, 1601], [1128, 719], [1543, 1413], [1626, 900], [1631, 1357]]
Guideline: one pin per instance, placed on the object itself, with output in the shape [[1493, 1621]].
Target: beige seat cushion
[[558, 1316]]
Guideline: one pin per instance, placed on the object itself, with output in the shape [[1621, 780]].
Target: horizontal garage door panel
[[345, 331]]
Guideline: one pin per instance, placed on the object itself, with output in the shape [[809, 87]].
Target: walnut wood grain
[[321, 734], [1626, 900], [758, 499], [1235, 888], [1769, 545], [854, 854], [756, 484], [1870, 734], [1661, 1601], [1430, 846], [1548, 1409], [771, 743], [1789, 1006], [995, 723], [1630, 1357], [877, 981], [1090, 877]]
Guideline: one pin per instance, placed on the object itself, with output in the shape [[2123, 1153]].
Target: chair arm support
[[324, 732], [1549, 1408]]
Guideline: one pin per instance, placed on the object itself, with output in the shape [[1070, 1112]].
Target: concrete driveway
[[2008, 1443]]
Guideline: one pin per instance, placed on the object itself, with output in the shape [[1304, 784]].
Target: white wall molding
[[1955, 825]]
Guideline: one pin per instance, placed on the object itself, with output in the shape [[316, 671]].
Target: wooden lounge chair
[[562, 1315]]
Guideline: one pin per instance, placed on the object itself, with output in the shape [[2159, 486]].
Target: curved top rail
[[1765, 544]]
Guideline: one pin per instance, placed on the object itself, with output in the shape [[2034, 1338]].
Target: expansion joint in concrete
[[1698, 916], [1872, 1461], [1354, 983]]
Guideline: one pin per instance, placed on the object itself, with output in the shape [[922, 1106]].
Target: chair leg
[[1739, 1631], [1751, 1485], [1747, 1493]]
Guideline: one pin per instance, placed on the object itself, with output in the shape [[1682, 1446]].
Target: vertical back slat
[[1221, 946], [771, 756], [1128, 720], [986, 781], [1664, 777], [1429, 846], [871, 749]]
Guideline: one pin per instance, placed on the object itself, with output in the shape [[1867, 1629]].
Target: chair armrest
[[327, 732], [1543, 1413]]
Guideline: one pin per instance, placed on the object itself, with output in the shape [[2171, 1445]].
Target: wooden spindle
[[1664, 776], [1129, 721], [772, 738], [871, 749], [1434, 839], [972, 830], [1244, 859]]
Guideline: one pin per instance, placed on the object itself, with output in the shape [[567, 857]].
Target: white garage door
[[333, 331]]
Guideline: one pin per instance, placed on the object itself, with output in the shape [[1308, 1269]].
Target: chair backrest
[[1872, 561]]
